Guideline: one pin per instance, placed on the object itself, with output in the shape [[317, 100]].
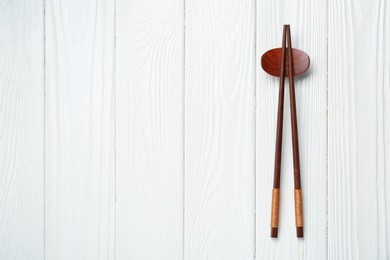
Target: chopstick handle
[[298, 212], [275, 212], [278, 146], [294, 128]]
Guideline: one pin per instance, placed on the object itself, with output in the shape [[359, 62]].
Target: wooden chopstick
[[278, 148], [294, 129]]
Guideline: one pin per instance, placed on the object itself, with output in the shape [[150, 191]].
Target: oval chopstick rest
[[272, 60]]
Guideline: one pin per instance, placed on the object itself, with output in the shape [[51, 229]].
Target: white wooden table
[[145, 129]]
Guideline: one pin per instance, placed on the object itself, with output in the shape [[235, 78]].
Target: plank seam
[[44, 128], [115, 127], [184, 122], [255, 129], [327, 129]]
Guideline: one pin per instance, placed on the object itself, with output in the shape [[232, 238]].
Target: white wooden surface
[[21, 130], [359, 130], [149, 116], [219, 218], [79, 143], [146, 129]]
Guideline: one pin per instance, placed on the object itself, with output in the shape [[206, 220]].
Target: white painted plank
[[80, 179], [308, 20], [150, 70], [219, 129], [21, 130], [359, 129]]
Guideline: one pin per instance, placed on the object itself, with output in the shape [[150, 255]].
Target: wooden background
[[145, 129]]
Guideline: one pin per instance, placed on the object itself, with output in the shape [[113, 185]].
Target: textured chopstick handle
[[275, 212], [298, 212]]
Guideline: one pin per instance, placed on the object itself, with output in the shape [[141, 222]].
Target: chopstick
[[295, 145], [294, 130], [278, 148]]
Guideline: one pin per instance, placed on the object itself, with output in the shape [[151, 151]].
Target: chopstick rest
[[286, 62]]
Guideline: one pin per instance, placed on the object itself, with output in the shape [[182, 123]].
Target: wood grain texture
[[21, 130], [146, 130], [219, 129], [309, 32], [80, 183], [150, 70], [359, 129]]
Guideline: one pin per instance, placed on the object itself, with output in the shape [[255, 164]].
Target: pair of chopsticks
[[278, 150]]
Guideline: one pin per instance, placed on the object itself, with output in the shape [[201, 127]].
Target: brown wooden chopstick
[[294, 130], [278, 148]]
